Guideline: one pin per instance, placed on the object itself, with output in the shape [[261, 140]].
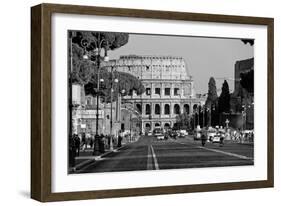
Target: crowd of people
[[99, 144]]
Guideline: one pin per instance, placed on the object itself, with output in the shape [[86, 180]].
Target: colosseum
[[169, 90]]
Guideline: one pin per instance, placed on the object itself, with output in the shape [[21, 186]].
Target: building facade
[[84, 114], [169, 90], [242, 102]]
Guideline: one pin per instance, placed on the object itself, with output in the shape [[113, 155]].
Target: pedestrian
[[101, 142], [83, 142], [221, 140], [91, 143], [107, 137], [72, 151], [203, 138], [96, 144], [77, 145], [119, 144]]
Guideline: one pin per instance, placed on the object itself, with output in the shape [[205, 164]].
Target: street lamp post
[[131, 127], [111, 108], [194, 120], [243, 114], [198, 113], [203, 116], [226, 123], [98, 47]]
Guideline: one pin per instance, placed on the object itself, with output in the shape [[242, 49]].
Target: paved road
[[150, 154]]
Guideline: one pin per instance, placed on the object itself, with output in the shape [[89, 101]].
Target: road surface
[[148, 153]]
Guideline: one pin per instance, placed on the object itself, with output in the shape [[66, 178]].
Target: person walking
[[119, 144], [77, 145], [203, 138], [83, 142], [221, 139], [91, 143], [72, 151], [101, 143]]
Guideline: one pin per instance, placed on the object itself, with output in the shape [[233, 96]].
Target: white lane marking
[[149, 159], [223, 152], [154, 158]]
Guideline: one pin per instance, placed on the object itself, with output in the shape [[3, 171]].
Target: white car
[[160, 137], [183, 133], [216, 138], [210, 135]]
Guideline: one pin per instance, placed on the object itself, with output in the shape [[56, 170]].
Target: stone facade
[[84, 114], [169, 90]]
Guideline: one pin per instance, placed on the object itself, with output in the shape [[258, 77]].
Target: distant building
[[169, 91], [241, 100], [242, 67]]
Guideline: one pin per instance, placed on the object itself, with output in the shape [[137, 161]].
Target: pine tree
[[212, 92], [224, 99], [212, 101]]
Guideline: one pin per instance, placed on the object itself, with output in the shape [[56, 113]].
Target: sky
[[204, 57]]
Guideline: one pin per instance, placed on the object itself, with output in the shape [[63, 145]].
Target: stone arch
[[195, 106], [147, 109], [167, 109], [186, 108], [177, 109], [157, 109], [167, 125], [147, 126], [157, 124]]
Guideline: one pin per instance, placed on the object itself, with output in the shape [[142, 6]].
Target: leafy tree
[[84, 72], [126, 82], [247, 80], [224, 99], [108, 40], [86, 41]]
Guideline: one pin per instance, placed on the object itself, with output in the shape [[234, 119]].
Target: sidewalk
[[87, 157]]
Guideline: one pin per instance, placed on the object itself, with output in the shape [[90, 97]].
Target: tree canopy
[[126, 82], [107, 40], [84, 71]]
